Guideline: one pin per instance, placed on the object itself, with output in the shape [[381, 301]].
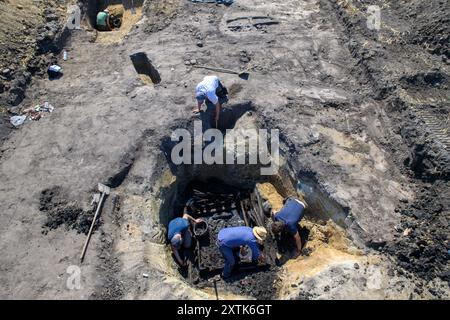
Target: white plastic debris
[[47, 107], [17, 120], [55, 68]]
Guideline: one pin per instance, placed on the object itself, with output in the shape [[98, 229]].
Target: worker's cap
[[201, 97], [106, 10], [176, 241], [260, 233]]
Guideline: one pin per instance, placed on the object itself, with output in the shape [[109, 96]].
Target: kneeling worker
[[180, 235], [211, 92], [287, 219], [233, 238], [103, 21]]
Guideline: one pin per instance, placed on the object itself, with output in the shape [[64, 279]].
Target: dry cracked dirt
[[363, 117]]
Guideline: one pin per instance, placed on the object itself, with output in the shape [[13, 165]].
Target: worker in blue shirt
[[233, 238], [287, 219], [179, 234]]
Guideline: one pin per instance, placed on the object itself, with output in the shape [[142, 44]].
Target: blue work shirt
[[235, 237], [177, 225], [291, 214]]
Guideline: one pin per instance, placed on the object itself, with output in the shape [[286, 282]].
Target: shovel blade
[[104, 189]]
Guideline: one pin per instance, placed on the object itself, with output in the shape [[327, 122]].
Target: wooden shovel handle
[[92, 227]]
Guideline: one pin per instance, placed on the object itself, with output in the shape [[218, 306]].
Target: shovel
[[104, 191], [243, 75]]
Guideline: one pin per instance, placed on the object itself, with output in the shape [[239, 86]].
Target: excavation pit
[[145, 69], [124, 15], [222, 206], [228, 196]]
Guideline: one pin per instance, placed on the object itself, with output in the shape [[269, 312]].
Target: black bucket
[[200, 229]]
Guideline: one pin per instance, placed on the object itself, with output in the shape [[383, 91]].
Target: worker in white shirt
[[211, 92]]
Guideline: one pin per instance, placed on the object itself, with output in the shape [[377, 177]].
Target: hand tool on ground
[[104, 191], [214, 281], [242, 74]]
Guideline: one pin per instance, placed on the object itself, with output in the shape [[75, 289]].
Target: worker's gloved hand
[[198, 220], [195, 110]]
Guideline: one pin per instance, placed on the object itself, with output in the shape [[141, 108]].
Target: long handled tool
[[214, 281], [242, 74], [105, 191]]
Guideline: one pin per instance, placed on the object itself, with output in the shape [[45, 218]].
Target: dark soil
[[416, 29], [424, 246], [160, 13], [60, 212], [110, 287], [247, 279]]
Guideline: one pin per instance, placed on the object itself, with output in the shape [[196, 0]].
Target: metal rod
[[215, 289]]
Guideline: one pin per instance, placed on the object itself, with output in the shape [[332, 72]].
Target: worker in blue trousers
[[287, 219], [230, 239]]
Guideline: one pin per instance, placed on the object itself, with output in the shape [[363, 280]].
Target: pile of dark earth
[[247, 279], [61, 212], [425, 226], [421, 242]]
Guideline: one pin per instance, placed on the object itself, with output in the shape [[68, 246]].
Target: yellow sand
[[268, 191], [327, 243], [128, 21], [146, 79]]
